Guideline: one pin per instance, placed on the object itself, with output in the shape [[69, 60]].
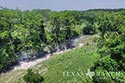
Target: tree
[[111, 47], [42, 33]]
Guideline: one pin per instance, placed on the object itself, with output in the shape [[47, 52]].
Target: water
[[29, 55]]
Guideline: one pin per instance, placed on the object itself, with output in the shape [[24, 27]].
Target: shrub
[[109, 77], [32, 77], [89, 29], [107, 63]]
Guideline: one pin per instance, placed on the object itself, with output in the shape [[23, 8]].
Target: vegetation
[[111, 45], [36, 30], [71, 66], [52, 69], [32, 77], [24, 31]]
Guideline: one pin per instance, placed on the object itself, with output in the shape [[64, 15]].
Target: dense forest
[[37, 30]]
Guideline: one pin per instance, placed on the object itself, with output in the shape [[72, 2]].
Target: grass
[[12, 77], [69, 67]]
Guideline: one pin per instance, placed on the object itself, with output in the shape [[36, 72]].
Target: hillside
[[77, 60], [60, 46]]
